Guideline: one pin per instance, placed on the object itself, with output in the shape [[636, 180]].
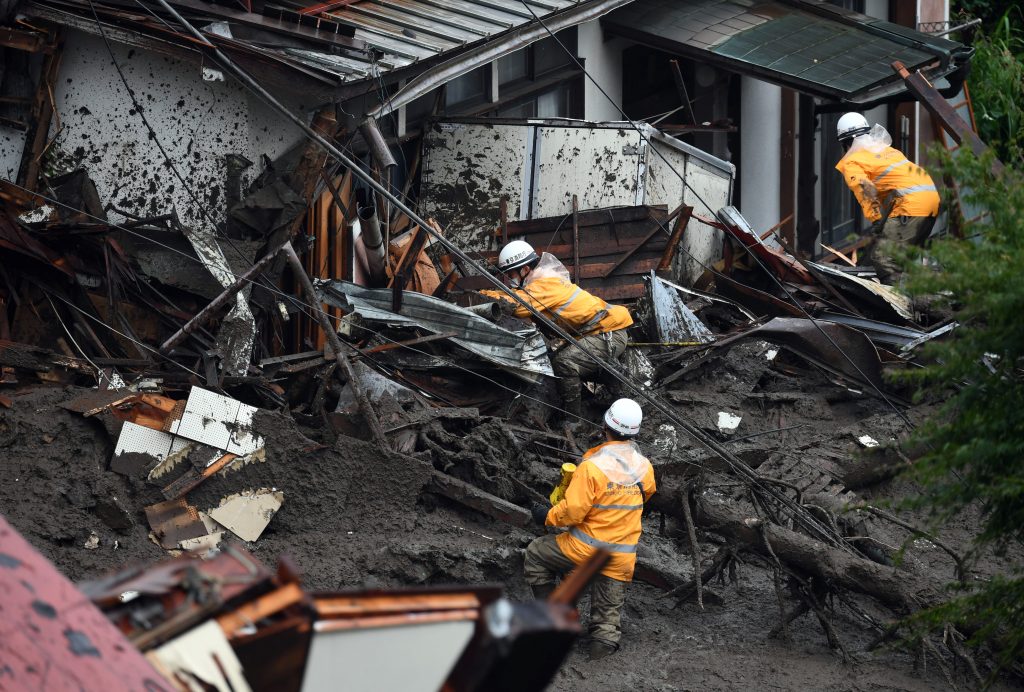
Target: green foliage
[[975, 444], [997, 86]]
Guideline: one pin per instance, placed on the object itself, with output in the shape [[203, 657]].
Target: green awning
[[813, 47]]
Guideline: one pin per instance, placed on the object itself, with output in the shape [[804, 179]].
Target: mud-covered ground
[[354, 516]]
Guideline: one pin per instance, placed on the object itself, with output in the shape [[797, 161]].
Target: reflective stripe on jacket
[[603, 506], [567, 303], [889, 178]]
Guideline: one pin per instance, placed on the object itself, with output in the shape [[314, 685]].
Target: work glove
[[539, 513]]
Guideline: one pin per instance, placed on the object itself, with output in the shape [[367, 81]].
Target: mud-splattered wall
[[540, 165], [12, 142], [198, 122]]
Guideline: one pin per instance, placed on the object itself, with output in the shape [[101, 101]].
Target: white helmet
[[516, 254], [624, 417], [852, 125]]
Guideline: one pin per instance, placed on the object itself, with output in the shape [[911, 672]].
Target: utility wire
[[306, 308], [805, 517], [168, 161], [696, 194]]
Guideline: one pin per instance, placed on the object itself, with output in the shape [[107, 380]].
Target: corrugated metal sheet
[[343, 44], [522, 352], [810, 46]]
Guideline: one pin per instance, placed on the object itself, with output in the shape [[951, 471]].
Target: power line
[[799, 512], [696, 194]]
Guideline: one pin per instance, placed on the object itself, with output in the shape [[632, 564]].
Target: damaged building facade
[[243, 247]]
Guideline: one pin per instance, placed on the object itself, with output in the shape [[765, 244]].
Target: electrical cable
[[306, 308], [696, 194], [799, 513]]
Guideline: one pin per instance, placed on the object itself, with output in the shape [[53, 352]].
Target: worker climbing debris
[[600, 328], [896, 195], [601, 508]]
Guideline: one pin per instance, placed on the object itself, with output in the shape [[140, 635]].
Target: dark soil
[[354, 516]]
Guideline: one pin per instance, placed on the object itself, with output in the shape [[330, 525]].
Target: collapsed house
[[188, 265]]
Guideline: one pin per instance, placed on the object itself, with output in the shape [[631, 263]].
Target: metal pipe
[[375, 142], [491, 311], [204, 315], [809, 520], [373, 241], [490, 51]]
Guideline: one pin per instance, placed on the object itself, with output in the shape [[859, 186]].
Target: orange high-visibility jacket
[[888, 177], [603, 505], [567, 303]]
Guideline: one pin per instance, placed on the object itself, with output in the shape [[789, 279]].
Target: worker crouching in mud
[[602, 508], [895, 194], [600, 328]]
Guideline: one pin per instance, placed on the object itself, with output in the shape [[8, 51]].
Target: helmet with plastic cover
[[851, 125], [624, 417], [516, 254]]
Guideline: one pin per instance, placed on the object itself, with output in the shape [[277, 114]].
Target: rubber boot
[[570, 392], [600, 649], [573, 411], [542, 591]]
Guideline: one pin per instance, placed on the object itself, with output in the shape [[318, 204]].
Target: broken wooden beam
[[207, 313], [901, 589], [475, 498], [338, 347], [575, 239], [27, 357], [673, 242], [943, 112]]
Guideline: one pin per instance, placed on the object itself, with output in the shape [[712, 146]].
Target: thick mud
[[355, 516]]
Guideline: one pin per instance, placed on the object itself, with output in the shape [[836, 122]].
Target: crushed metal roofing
[[811, 45], [522, 352], [334, 41]]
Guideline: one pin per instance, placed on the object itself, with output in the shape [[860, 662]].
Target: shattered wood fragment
[[192, 478], [36, 359], [901, 589], [474, 498], [174, 521]]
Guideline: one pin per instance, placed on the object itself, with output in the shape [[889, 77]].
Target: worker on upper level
[[598, 327], [602, 508], [897, 195]]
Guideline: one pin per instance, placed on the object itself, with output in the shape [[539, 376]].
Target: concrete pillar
[[603, 60], [761, 152]]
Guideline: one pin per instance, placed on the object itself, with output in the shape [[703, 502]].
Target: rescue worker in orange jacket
[[599, 327], [602, 508], [896, 195]]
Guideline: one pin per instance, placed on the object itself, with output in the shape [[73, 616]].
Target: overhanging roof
[[810, 46], [341, 47]]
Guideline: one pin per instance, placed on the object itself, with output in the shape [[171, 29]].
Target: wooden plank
[[632, 251], [475, 498], [673, 242], [943, 112], [590, 247], [575, 238], [235, 621], [411, 254], [590, 217]]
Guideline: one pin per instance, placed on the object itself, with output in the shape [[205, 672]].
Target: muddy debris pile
[[393, 429]]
